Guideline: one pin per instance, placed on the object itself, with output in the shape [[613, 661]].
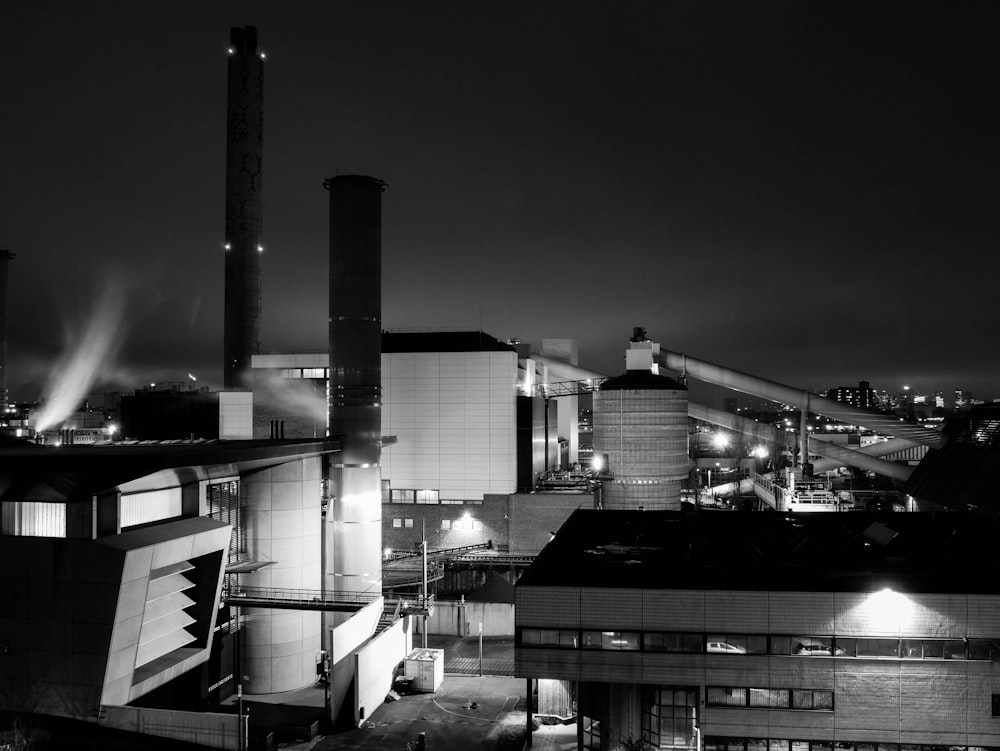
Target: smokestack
[[5, 257], [356, 380], [244, 182]]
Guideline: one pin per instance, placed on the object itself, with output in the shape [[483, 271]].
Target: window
[[34, 518], [666, 642], [314, 372], [386, 492], [591, 733], [397, 523], [611, 640], [996, 705], [459, 525], [446, 524], [806, 699], [427, 496], [878, 647], [723, 696], [549, 637], [451, 502], [477, 526], [984, 649], [771, 698], [408, 523], [668, 716], [402, 496], [736, 644], [933, 649]]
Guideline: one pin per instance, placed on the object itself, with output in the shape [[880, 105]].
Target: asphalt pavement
[[467, 711]]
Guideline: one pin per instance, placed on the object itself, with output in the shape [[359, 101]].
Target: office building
[[756, 632]]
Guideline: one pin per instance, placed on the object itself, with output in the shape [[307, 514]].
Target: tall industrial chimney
[[5, 257], [356, 382], [244, 176]]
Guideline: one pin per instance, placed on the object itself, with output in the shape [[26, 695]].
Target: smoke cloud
[[291, 398], [90, 355]]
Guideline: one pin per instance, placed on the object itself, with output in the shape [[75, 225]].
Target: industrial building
[[758, 631], [155, 576], [115, 561]]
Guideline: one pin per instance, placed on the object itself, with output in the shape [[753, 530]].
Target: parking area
[[466, 712]]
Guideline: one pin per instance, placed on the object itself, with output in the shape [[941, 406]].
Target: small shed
[[425, 667]]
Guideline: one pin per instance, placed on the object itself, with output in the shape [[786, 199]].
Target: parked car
[[817, 649], [724, 647]]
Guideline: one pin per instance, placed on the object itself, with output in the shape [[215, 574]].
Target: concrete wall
[[453, 414], [375, 667], [235, 415], [890, 700], [214, 730], [524, 522], [345, 634], [452, 618], [283, 526]]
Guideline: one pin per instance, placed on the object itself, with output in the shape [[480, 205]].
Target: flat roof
[[31, 472], [762, 551], [442, 341]]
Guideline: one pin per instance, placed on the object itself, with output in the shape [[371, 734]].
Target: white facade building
[[454, 417]]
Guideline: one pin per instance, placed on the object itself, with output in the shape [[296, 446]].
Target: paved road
[[446, 718]]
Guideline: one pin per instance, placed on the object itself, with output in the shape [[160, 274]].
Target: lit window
[[477, 526], [408, 523], [427, 496], [402, 496], [446, 524], [397, 523]]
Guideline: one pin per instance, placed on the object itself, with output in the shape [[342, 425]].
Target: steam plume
[[88, 355]]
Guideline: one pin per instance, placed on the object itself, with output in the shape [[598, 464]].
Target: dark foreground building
[[112, 563], [766, 631]]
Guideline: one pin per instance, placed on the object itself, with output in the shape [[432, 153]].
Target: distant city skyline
[[805, 192]]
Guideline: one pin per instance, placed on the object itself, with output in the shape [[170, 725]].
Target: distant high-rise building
[[963, 399], [862, 396]]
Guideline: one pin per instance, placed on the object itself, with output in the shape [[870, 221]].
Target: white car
[[724, 647]]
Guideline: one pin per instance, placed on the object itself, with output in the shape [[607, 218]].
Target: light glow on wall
[[888, 610]]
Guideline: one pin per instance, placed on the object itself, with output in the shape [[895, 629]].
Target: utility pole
[[423, 606]]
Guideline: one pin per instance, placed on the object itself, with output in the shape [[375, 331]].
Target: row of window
[[429, 497], [456, 525], [763, 644], [393, 495], [716, 743], [462, 525], [769, 698], [302, 372]]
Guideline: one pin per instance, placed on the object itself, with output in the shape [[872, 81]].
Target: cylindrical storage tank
[[641, 426], [283, 525], [355, 539]]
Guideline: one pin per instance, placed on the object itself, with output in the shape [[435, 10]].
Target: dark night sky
[[804, 191]]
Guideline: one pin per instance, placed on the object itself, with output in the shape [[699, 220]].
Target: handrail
[[278, 594]]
